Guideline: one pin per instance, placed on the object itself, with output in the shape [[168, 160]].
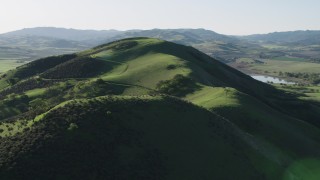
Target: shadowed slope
[[128, 138]]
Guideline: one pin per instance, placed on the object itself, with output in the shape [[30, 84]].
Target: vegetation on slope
[[126, 138], [178, 86], [262, 132]]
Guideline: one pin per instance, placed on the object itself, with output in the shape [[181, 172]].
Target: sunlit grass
[[6, 65]]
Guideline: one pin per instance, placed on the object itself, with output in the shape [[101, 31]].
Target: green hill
[[145, 108], [127, 138]]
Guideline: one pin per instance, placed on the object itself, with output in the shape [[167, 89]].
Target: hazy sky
[[223, 16]]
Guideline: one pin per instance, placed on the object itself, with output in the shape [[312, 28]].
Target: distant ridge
[[63, 33], [225, 48], [305, 37]]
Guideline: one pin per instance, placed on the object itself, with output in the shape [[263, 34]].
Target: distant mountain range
[[297, 37], [67, 34], [184, 36], [45, 41]]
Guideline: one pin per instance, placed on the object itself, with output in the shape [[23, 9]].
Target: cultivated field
[[6, 64]]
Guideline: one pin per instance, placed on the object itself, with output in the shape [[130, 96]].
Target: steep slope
[[127, 138], [272, 134]]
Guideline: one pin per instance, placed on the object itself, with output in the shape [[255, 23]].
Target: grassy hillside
[[128, 138], [150, 109]]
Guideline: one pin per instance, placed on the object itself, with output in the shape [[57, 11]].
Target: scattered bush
[[178, 86], [73, 126], [171, 66], [41, 65], [313, 78], [82, 67], [125, 45]]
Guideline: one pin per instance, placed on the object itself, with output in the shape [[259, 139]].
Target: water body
[[267, 79]]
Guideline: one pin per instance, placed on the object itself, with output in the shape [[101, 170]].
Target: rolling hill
[[67, 34], [45, 41], [294, 37], [251, 54], [16, 50], [182, 36], [33, 43], [144, 108]]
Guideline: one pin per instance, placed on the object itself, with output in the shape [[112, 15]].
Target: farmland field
[[288, 66], [305, 92], [288, 58], [6, 65], [273, 67]]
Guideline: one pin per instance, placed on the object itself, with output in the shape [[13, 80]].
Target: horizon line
[[148, 29]]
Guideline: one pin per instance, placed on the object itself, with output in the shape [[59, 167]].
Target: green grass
[[8, 111], [35, 92], [304, 169], [287, 66], [212, 97], [311, 93], [253, 116], [288, 58], [143, 70], [11, 129], [147, 70], [6, 65], [275, 46], [245, 60]]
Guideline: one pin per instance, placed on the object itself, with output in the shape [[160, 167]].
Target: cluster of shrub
[[178, 86], [81, 67], [27, 85], [120, 44], [28, 108], [315, 60], [13, 105], [96, 88], [81, 141], [55, 93], [124, 45], [313, 78], [271, 54], [41, 65]]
